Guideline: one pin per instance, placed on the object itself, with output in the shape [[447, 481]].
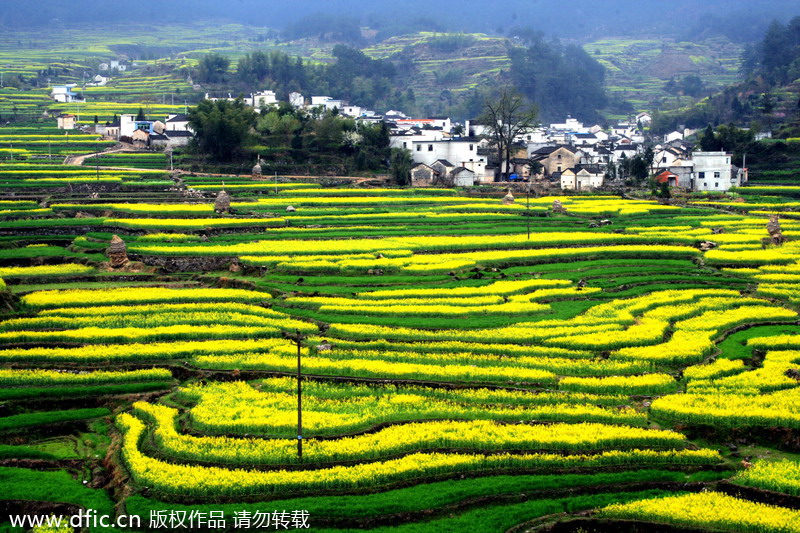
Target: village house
[[178, 123], [556, 159], [713, 171], [66, 121], [462, 152], [443, 167], [463, 177], [582, 178], [423, 175], [98, 81], [66, 93], [670, 178], [109, 129]]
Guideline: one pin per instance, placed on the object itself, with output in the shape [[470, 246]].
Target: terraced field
[[458, 373], [638, 69]]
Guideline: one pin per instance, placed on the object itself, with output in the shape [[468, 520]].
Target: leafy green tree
[[400, 164], [140, 115], [213, 68], [708, 141], [222, 128]]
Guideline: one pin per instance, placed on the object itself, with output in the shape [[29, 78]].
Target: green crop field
[[457, 372]]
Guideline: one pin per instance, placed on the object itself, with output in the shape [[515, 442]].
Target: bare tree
[[506, 115]]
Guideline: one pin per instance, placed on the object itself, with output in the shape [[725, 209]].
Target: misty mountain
[[579, 19]]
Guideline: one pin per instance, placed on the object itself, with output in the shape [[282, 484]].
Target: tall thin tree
[[506, 116]]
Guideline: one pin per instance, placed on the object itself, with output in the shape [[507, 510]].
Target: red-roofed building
[[668, 177]]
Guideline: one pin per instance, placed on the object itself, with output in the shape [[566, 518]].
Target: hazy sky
[[565, 19]]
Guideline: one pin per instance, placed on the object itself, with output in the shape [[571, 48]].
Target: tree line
[[288, 140], [353, 76]]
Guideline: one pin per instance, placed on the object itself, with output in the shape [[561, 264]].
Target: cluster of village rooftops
[[569, 155]]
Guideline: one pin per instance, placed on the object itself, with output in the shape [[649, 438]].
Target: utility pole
[[298, 338]]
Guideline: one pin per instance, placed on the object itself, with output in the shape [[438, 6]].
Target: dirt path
[[77, 160]]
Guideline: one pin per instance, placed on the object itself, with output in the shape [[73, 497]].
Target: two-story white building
[[713, 171], [66, 93], [462, 152]]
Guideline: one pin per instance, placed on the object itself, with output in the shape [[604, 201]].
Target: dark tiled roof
[[178, 118]]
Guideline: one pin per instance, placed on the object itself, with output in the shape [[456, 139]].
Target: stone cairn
[[558, 208], [508, 199], [774, 230], [117, 252], [257, 170], [223, 202]]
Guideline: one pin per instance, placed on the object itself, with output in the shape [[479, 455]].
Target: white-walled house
[[261, 100], [713, 171], [673, 136], [178, 123], [66, 121], [571, 125], [406, 139], [461, 152], [582, 178], [65, 93]]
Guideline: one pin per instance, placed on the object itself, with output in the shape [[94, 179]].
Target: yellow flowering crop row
[[461, 347], [314, 302], [282, 360], [155, 320], [778, 476], [647, 331], [772, 375], [709, 510], [718, 369], [518, 333], [144, 334], [509, 308], [197, 223], [682, 347], [728, 409], [208, 481], [561, 366], [400, 439], [419, 244], [270, 406], [202, 307], [12, 378], [648, 384], [626, 309], [68, 269], [138, 295], [505, 288], [137, 352], [721, 320]]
